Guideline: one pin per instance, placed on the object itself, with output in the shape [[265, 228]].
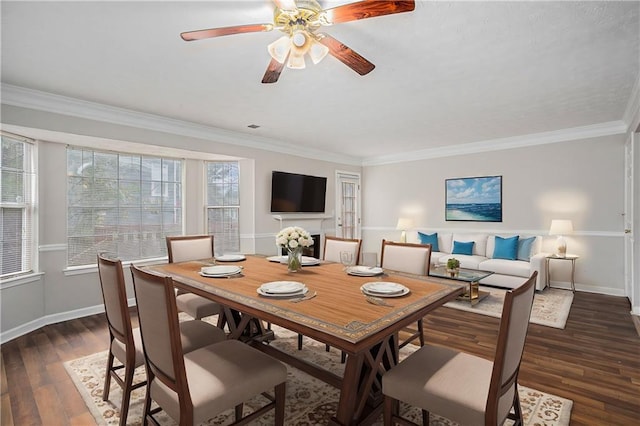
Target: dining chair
[[462, 387], [196, 386], [124, 341], [333, 246], [410, 258], [183, 248]]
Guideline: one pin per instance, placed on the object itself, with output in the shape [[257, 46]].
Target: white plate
[[278, 259], [230, 257], [364, 271], [220, 270], [384, 289], [305, 261], [282, 287], [299, 293]]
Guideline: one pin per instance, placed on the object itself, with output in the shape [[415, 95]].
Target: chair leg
[[343, 357], [280, 392], [327, 348], [299, 342], [239, 408], [147, 404], [126, 393], [425, 418], [517, 410], [390, 410], [107, 377]]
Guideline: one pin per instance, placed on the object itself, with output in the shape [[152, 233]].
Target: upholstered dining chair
[[410, 258], [193, 247], [196, 386], [462, 387], [334, 245], [331, 252], [124, 340]]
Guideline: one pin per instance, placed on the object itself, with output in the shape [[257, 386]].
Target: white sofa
[[506, 273]]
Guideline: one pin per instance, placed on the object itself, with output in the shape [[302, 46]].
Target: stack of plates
[[364, 271], [384, 289], [230, 257], [220, 271], [283, 289]]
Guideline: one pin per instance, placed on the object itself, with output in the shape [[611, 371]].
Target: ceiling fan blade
[[218, 32], [273, 71], [346, 55], [366, 9]]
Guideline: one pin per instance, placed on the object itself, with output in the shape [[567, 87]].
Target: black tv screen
[[296, 193]]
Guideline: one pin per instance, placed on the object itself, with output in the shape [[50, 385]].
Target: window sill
[[92, 269], [21, 280]]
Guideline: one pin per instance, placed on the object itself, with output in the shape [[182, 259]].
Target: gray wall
[[578, 180]]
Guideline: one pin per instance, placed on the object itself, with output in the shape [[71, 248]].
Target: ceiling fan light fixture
[[296, 61], [279, 49], [317, 52]]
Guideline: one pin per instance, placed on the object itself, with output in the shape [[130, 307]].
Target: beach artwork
[[474, 199]]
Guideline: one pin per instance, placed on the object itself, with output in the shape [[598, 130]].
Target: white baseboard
[[30, 326]]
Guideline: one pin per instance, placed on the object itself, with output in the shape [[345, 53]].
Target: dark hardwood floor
[[594, 361]]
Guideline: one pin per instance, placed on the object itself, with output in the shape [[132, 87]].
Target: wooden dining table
[[339, 315]]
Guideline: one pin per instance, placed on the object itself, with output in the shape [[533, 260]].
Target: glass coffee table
[[470, 276]]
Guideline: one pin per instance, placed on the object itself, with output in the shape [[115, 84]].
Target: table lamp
[[404, 224], [561, 227]]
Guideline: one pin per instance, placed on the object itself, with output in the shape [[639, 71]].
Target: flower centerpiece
[[294, 238]]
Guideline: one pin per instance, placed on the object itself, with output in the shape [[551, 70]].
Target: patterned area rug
[[309, 400], [550, 307]]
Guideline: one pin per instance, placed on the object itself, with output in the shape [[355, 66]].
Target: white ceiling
[[447, 74]]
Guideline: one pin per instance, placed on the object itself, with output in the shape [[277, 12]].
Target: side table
[[570, 257]]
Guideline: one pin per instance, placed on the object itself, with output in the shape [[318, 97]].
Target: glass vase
[[294, 259]]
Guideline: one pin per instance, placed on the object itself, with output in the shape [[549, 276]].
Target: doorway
[[348, 205]]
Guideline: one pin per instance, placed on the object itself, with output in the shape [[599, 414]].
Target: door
[[631, 286], [347, 205]]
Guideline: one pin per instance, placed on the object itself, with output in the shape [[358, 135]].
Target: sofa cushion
[[460, 247], [517, 268], [525, 246], [429, 239], [505, 248], [480, 242]]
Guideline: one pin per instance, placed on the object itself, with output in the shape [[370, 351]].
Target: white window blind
[[125, 204], [17, 206], [223, 205]]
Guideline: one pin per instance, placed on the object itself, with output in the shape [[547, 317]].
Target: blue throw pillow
[[463, 248], [506, 248], [429, 239], [524, 248]]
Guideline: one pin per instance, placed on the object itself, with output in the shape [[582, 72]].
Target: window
[[121, 203], [17, 206], [223, 205]]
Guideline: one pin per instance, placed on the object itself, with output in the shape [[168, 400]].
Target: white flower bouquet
[[293, 237]]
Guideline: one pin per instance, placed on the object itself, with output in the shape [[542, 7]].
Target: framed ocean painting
[[476, 199]]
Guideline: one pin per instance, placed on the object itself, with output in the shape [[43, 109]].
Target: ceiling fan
[[299, 20]]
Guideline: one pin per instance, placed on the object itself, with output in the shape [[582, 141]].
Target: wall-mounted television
[[296, 193]]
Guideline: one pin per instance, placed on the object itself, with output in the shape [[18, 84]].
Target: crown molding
[[556, 136], [43, 101], [34, 99]]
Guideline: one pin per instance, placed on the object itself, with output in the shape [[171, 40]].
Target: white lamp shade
[[561, 227], [404, 224], [279, 49]]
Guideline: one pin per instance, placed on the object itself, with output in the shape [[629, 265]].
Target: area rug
[[309, 400], [550, 307]]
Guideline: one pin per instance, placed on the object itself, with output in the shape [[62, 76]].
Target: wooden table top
[[339, 315]]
